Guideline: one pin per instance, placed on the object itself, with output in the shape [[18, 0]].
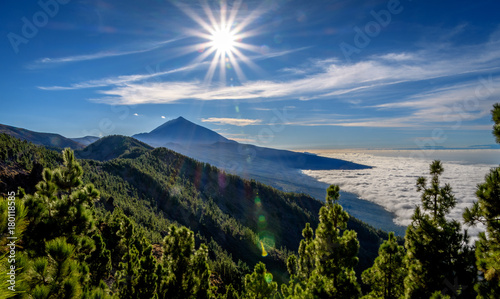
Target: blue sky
[[300, 74]]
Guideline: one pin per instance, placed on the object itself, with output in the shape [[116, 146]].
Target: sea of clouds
[[391, 183]]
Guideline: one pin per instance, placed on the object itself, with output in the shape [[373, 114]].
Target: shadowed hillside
[[112, 147]]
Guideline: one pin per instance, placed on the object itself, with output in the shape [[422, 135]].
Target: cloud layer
[[391, 183], [240, 122]]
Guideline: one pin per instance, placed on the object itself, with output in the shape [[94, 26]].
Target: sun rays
[[223, 32]]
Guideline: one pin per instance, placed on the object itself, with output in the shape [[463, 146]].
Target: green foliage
[[225, 269], [325, 266], [99, 260], [15, 152], [386, 277], [185, 271], [70, 246], [231, 293], [57, 274], [20, 259], [437, 252], [61, 206], [495, 115], [487, 211], [147, 284], [260, 284], [60, 236]]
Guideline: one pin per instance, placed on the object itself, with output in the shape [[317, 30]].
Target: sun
[[223, 32], [223, 40]]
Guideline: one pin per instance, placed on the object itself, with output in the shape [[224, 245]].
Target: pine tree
[[336, 252], [185, 272], [61, 239], [438, 254], [260, 284], [231, 293], [128, 275], [487, 211], [61, 206], [137, 275], [325, 266], [306, 253], [386, 276], [56, 275], [21, 261], [147, 283], [300, 269], [99, 261]]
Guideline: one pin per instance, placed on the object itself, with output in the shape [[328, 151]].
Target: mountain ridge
[[280, 169], [208, 141], [112, 147], [39, 138]]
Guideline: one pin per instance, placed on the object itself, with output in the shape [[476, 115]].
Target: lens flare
[[268, 277], [264, 252], [223, 31]]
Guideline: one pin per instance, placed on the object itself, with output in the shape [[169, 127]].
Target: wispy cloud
[[120, 80], [332, 79], [274, 54], [99, 55], [241, 122], [347, 83]]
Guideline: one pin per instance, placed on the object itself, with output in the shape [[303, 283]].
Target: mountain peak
[[181, 131], [175, 121]]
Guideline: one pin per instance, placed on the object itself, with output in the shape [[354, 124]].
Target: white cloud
[[244, 139], [241, 122], [398, 57], [391, 182], [328, 78], [162, 116], [99, 55], [274, 54], [119, 80], [332, 79]]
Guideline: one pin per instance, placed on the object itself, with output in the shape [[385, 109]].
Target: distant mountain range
[[46, 139], [278, 168], [208, 146], [85, 140]]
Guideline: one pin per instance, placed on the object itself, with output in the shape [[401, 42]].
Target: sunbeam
[[223, 35]]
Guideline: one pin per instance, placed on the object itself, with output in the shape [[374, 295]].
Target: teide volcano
[[180, 131], [278, 168]]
